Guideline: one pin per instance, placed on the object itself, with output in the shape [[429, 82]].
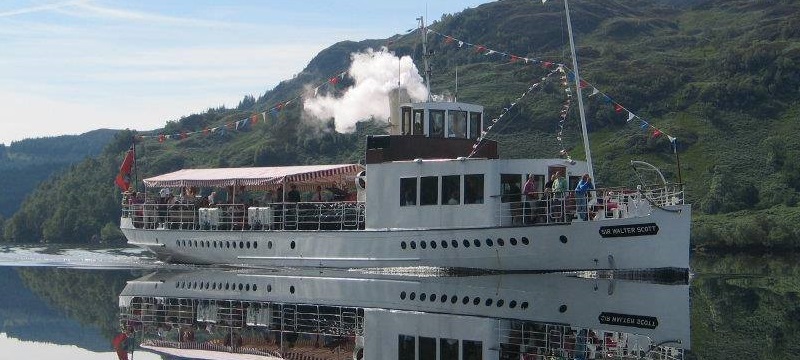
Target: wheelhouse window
[[429, 190], [419, 122], [473, 189], [472, 350], [511, 187], [427, 348], [448, 349], [475, 125], [408, 191], [457, 124], [405, 347], [451, 190], [405, 120], [437, 124]]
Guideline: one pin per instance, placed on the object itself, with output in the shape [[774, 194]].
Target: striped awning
[[254, 176]]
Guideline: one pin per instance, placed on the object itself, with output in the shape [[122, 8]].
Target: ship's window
[[408, 191], [473, 189], [448, 349], [451, 194], [406, 120], [457, 124], [471, 350], [436, 128], [511, 187], [427, 348], [429, 190], [405, 347], [419, 122], [475, 125]]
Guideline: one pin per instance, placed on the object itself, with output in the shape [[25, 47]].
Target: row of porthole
[[219, 286], [454, 243], [464, 300], [222, 244]]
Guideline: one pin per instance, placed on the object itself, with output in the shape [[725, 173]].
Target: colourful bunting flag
[[656, 133], [618, 108]]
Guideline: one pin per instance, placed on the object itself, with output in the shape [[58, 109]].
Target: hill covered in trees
[[720, 76]]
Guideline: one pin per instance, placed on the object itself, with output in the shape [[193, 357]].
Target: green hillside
[[721, 76]]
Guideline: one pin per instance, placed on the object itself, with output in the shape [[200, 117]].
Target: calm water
[[71, 304]]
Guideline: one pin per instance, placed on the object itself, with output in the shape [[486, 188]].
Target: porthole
[[433, 244], [513, 241], [489, 242], [247, 287], [403, 245], [213, 286], [422, 295], [453, 299], [190, 243], [500, 302], [423, 244], [195, 243], [433, 297], [184, 242], [234, 244], [269, 287], [443, 298], [214, 244], [241, 244], [501, 242], [413, 244], [402, 295], [476, 301], [255, 287], [248, 244], [202, 244], [269, 244], [466, 243], [183, 284], [291, 289], [255, 244], [412, 296], [177, 285], [208, 244], [177, 243], [476, 242], [525, 241], [524, 305], [227, 286], [228, 244], [292, 245], [512, 304], [207, 285], [563, 239], [465, 300], [562, 308], [194, 285], [488, 302], [444, 244], [454, 243]]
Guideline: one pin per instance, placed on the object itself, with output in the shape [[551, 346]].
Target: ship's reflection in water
[[262, 314]]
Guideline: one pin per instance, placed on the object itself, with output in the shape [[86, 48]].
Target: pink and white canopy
[[254, 176]]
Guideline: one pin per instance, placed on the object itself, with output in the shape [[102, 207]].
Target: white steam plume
[[375, 75]]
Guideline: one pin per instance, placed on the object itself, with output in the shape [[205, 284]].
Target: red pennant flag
[[334, 80], [656, 133], [123, 179], [448, 39], [480, 49], [618, 108], [547, 64], [161, 138], [514, 58], [279, 106], [229, 125], [206, 131], [584, 84], [254, 119], [184, 135]]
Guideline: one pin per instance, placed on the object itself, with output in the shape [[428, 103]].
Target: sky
[[68, 67]]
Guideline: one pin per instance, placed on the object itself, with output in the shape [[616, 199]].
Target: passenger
[[212, 199], [581, 194], [530, 198], [317, 195], [293, 195], [453, 200], [267, 198]]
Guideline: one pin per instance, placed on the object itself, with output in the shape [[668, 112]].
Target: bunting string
[[512, 58], [506, 110]]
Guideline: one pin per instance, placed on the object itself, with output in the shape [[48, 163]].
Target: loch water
[[68, 303]]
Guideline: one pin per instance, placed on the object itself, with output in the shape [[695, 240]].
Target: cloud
[[40, 8], [375, 74]]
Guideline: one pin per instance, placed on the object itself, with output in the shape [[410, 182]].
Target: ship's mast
[[586, 148], [425, 55]]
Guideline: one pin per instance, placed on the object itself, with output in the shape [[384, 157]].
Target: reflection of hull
[[497, 305], [576, 246]]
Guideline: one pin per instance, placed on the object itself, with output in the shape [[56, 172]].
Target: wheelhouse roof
[[254, 176]]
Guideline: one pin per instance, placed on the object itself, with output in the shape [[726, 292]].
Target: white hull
[[575, 246]]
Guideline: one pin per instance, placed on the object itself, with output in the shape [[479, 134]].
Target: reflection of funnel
[[311, 312]]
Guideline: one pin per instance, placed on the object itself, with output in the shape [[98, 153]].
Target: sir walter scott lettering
[[629, 230]]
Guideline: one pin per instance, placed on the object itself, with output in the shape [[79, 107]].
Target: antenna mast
[[425, 55], [588, 151]]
